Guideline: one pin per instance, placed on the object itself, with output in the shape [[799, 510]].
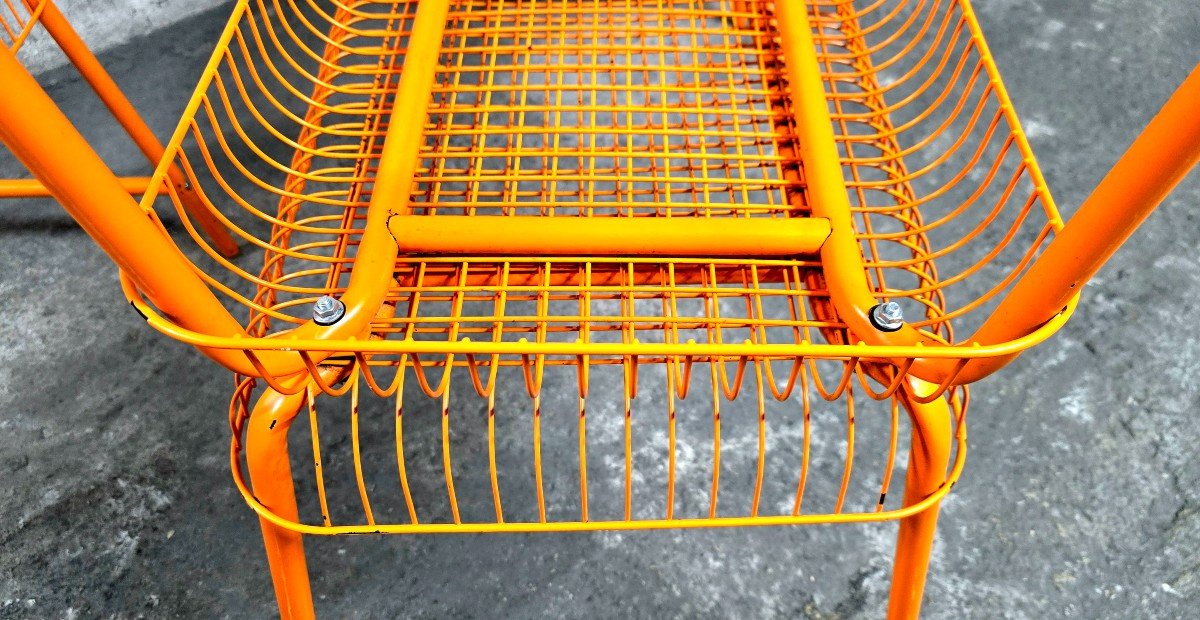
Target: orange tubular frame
[[378, 250], [134, 239], [997, 342], [33, 188], [544, 236], [841, 257], [87, 189], [382, 248], [1150, 168]]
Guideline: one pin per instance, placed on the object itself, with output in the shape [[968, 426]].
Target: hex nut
[[887, 317], [328, 310]]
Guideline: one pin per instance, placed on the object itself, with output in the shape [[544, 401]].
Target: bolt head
[[327, 310], [887, 317]]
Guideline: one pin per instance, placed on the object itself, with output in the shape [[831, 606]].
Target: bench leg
[[928, 458], [271, 478]]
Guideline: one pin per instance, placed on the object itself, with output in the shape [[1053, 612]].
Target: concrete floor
[[1080, 497], [105, 25]]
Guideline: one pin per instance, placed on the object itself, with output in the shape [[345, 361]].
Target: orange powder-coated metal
[[271, 474], [841, 257], [33, 188], [921, 340], [125, 114], [376, 253], [18, 21], [682, 212], [547, 236]]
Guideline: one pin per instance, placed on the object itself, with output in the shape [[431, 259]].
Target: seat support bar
[[607, 236]]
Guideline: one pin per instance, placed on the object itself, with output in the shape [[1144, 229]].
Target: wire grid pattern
[[541, 109], [610, 108], [707, 138], [667, 108]]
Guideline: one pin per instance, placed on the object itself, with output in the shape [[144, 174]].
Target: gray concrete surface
[[1079, 499], [105, 25]]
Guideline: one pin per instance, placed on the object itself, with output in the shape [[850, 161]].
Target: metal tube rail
[[173, 286], [841, 257], [74, 174], [1170, 144], [33, 188], [607, 236], [375, 261]]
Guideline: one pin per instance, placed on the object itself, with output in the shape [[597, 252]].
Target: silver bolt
[[887, 317], [328, 310]]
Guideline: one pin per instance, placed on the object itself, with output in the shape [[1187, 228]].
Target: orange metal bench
[[694, 216]]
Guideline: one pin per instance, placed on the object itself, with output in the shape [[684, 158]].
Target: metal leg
[[95, 198], [123, 111], [271, 478], [927, 461]]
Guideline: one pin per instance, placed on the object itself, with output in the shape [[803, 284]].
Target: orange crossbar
[[33, 188], [607, 236]]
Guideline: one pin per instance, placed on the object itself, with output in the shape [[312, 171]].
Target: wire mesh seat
[[697, 133]]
